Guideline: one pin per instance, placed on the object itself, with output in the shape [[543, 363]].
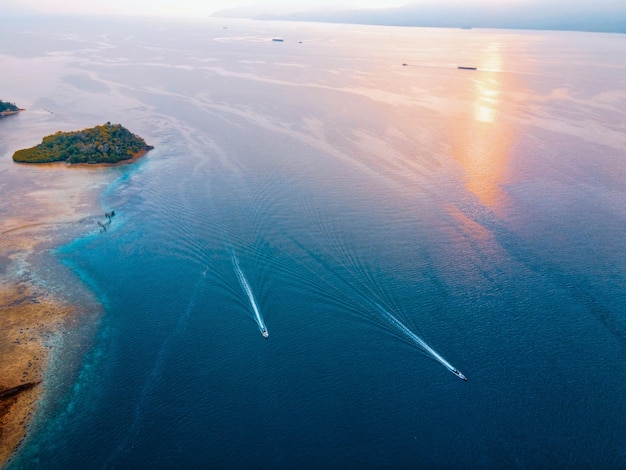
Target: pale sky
[[547, 14], [186, 7]]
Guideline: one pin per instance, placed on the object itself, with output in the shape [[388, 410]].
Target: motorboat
[[459, 374]]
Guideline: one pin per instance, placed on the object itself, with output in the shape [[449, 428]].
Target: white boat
[[459, 374], [266, 334]]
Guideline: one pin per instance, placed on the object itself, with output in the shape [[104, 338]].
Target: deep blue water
[[473, 208]]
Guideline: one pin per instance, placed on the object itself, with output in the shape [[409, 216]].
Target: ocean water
[[338, 193]]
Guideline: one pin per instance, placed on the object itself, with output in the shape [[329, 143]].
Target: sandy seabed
[[57, 203], [28, 319]]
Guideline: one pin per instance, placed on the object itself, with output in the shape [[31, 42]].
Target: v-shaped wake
[[248, 290]]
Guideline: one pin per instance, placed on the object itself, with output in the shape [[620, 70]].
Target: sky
[[207, 7], [186, 7], [582, 15]]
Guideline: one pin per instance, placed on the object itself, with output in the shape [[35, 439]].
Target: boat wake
[[418, 341], [367, 296], [248, 290]]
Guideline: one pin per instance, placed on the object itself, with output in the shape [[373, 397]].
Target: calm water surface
[[485, 211]]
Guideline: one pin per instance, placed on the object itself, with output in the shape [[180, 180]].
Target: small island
[[7, 109], [109, 143]]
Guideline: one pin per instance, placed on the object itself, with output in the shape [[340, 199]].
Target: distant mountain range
[[597, 16]]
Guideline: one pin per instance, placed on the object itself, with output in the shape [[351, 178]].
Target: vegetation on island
[[7, 108], [109, 143]]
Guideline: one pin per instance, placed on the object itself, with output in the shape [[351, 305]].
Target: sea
[[386, 217]]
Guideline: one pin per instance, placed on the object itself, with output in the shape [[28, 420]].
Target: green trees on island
[[109, 143], [8, 107]]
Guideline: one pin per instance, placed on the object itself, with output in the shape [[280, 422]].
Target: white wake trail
[[248, 290], [419, 341]]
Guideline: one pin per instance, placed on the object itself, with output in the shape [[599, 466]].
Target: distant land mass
[[600, 16], [7, 108], [109, 143]]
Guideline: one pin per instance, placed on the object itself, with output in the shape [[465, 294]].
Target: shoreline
[[10, 113], [136, 156], [55, 207]]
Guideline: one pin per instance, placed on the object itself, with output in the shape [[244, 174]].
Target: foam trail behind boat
[[419, 341], [248, 290]]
